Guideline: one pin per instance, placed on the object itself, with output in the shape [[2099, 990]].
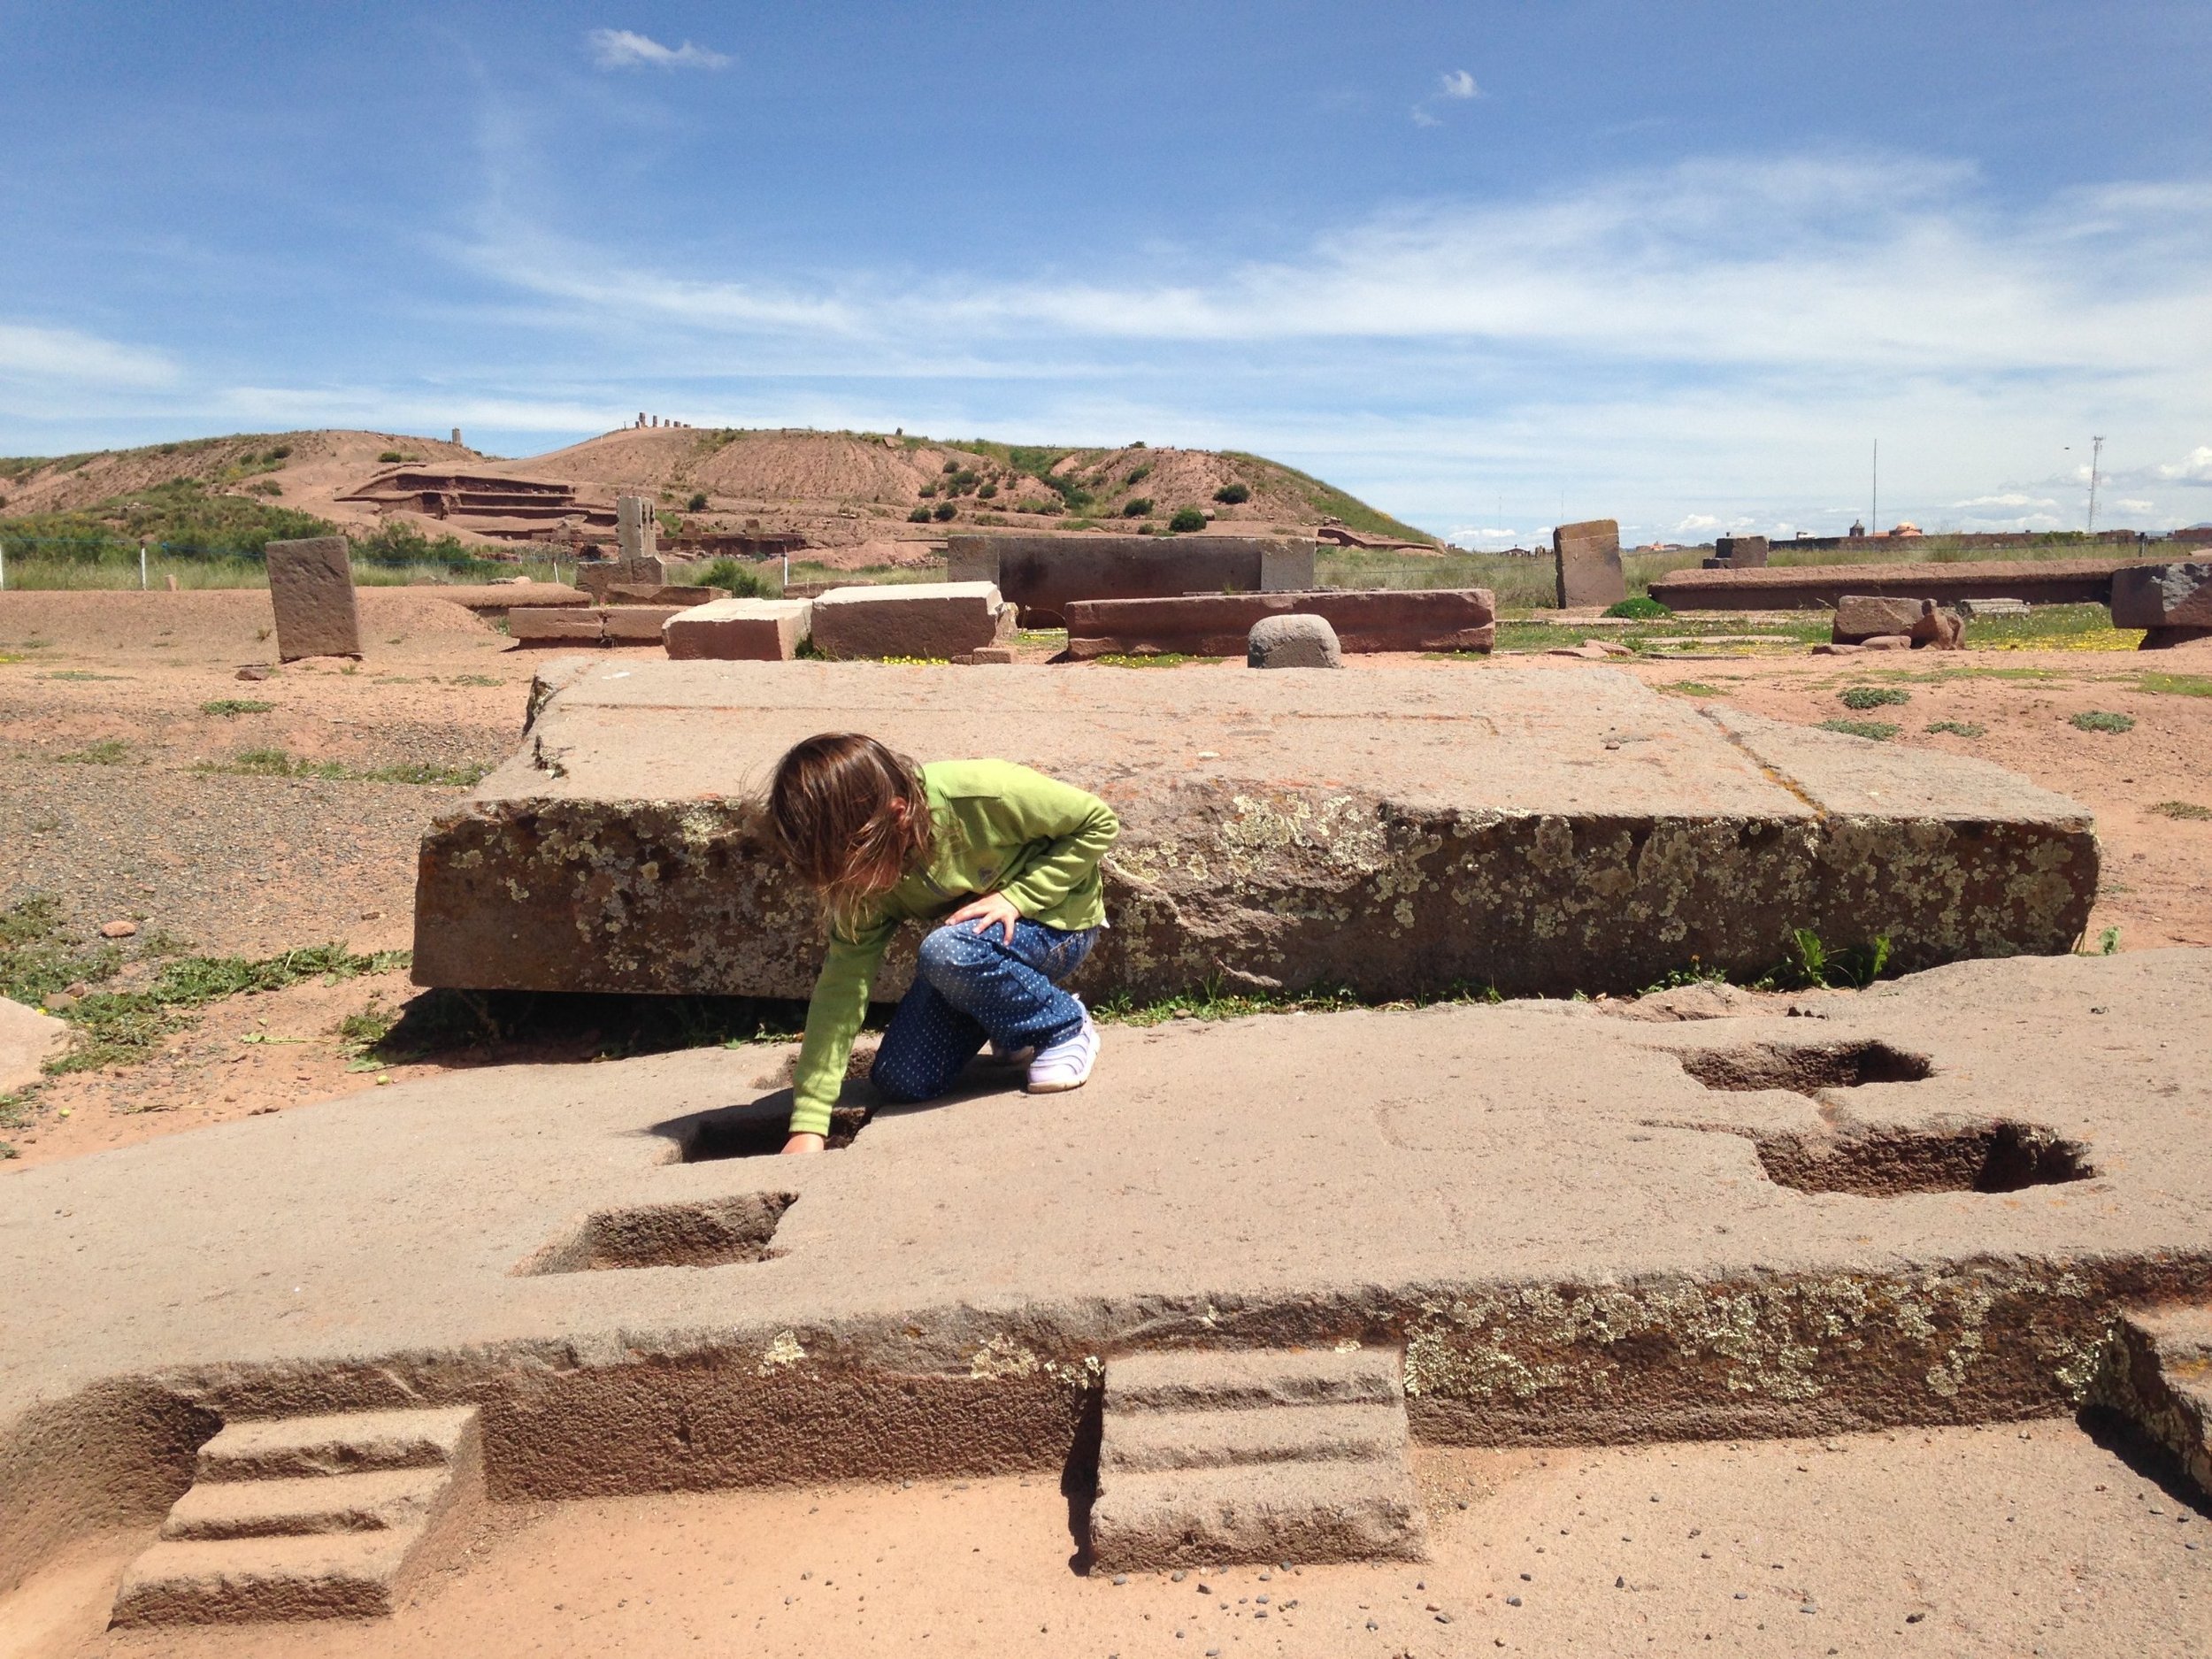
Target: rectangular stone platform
[[1398, 831], [740, 630], [1043, 574], [1215, 625], [2073, 581], [932, 620]]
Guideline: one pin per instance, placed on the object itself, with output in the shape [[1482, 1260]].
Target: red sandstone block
[[1217, 625]]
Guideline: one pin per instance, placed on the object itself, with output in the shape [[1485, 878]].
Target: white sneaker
[[1065, 1066], [1000, 1055]]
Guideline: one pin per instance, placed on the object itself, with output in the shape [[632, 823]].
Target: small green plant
[[1873, 730], [920, 515], [927, 490], [394, 454], [1151, 659], [265, 487], [230, 707], [2098, 720], [1872, 696], [1692, 688], [2180, 810], [1137, 475], [108, 751], [1957, 728], [1234, 495], [1137, 508], [1639, 607], [274, 763], [698, 501], [944, 510], [740, 581], [2109, 941], [984, 492], [950, 468], [1812, 965], [1186, 520]]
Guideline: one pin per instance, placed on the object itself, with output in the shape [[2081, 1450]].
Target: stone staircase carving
[[2160, 1375], [306, 1517], [1284, 1455]]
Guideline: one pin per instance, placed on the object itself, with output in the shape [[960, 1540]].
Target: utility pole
[[1874, 508], [2096, 454]]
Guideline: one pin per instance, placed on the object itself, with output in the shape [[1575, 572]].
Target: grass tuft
[[1873, 730], [1957, 728], [2099, 720], [231, 707], [1872, 696], [274, 763], [2180, 810]]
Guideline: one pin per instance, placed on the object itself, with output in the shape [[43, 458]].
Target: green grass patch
[[2177, 685], [79, 673], [1152, 659], [2101, 720], [1873, 730], [1642, 607], [108, 751], [2180, 810], [233, 706], [1692, 688], [1872, 696], [275, 762], [1957, 728]]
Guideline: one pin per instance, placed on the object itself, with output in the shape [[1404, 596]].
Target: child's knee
[[950, 953], [897, 1082]]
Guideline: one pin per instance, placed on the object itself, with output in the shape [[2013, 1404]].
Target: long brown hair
[[835, 806]]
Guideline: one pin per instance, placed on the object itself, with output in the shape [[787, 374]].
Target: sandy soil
[[2000, 1541]]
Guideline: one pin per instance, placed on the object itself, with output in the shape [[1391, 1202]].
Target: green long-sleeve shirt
[[999, 828]]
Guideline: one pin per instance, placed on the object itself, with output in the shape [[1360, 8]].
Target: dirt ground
[[2007, 1540], [254, 866]]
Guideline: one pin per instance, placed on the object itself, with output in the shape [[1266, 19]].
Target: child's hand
[[992, 909], [804, 1143]]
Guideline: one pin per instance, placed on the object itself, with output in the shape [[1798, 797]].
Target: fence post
[[141, 567]]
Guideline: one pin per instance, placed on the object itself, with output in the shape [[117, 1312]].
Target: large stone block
[[1220, 624], [2174, 602], [1741, 552], [1806, 587], [910, 620], [547, 625], [1397, 830], [740, 630], [637, 624], [1861, 617], [637, 531], [310, 587], [1588, 557], [1292, 642], [600, 580], [1043, 574]]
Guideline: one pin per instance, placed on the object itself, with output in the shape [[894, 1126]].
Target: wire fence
[[96, 561]]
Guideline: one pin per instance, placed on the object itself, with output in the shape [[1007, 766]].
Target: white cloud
[[2011, 499], [623, 49], [1459, 84], [2193, 468], [1422, 117], [68, 356]]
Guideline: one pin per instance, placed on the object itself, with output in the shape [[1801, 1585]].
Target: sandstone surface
[[1930, 1203], [932, 620], [28, 1038], [1219, 624], [1394, 832], [740, 630], [311, 589], [1043, 573], [1586, 559]]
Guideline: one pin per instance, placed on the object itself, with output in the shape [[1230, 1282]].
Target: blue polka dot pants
[[970, 989]]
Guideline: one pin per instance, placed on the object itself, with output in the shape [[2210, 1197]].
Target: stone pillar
[[310, 587], [1742, 552], [1588, 557], [456, 437], [639, 530]]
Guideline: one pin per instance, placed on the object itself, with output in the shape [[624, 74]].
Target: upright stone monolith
[[310, 587], [638, 528], [1588, 556]]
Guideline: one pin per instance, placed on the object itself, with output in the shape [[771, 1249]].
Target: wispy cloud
[[624, 48], [68, 354], [1457, 83], [2193, 468]]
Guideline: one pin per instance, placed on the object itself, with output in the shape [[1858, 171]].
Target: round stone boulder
[[1293, 642]]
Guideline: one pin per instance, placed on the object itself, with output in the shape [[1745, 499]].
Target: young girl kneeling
[[1003, 858]]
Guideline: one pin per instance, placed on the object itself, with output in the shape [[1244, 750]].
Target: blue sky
[[1485, 265]]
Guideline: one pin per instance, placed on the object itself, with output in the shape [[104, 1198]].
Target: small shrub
[[698, 501], [391, 455], [920, 515], [927, 490], [985, 492], [109, 751], [949, 466], [1137, 475], [742, 581], [1874, 696], [1873, 730], [1186, 518], [963, 481], [2098, 720], [1138, 508], [1956, 728], [266, 487], [2180, 808], [233, 706], [945, 510], [1234, 495], [1640, 607], [282, 452]]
